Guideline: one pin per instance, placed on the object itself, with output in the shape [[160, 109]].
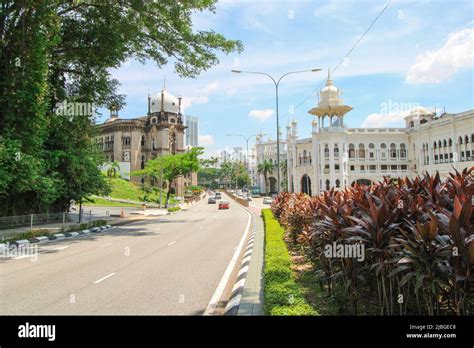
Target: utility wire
[[343, 58]]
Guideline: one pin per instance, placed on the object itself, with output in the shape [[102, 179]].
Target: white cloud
[[202, 96], [261, 115], [389, 119], [436, 66], [205, 140], [377, 120]]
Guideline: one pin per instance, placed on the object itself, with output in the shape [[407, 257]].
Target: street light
[[247, 153], [277, 83]]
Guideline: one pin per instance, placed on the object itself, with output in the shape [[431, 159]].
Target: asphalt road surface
[[169, 266]]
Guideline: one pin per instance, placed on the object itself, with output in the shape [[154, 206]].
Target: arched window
[[143, 141], [371, 151], [336, 151], [338, 183], [460, 140], [403, 150], [439, 143], [328, 184], [326, 151], [361, 151], [466, 139], [434, 144], [445, 143], [393, 150], [351, 151], [450, 142], [383, 151]]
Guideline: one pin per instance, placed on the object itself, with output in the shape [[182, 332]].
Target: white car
[[267, 200]]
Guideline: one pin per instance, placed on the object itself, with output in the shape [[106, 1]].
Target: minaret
[[330, 105], [149, 112], [162, 107]]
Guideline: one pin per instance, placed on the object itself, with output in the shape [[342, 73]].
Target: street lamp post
[[277, 83], [247, 153]]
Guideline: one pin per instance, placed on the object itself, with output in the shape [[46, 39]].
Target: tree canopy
[[170, 167], [62, 51]]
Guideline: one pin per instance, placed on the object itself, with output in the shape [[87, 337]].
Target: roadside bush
[[282, 295], [173, 209], [417, 236]]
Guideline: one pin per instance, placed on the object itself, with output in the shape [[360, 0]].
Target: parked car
[[218, 195], [223, 205], [267, 200], [211, 200]]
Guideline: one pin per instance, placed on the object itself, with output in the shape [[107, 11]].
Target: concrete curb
[[238, 288], [59, 236]]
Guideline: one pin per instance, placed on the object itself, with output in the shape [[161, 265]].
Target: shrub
[[418, 238], [282, 295], [173, 209]]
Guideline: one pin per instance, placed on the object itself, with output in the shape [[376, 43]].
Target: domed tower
[[418, 115], [165, 124], [330, 105]]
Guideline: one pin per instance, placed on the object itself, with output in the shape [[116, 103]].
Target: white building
[[224, 156], [267, 150], [337, 156], [192, 131]]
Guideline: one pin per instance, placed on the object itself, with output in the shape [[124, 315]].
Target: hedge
[[282, 294]]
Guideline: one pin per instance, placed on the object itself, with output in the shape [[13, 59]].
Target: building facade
[[336, 156], [267, 150], [132, 142]]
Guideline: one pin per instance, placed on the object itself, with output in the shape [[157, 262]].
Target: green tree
[[264, 168], [170, 167], [56, 51]]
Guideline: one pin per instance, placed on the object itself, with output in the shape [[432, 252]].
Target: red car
[[223, 205]]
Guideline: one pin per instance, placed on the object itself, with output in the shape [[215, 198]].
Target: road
[[171, 265]]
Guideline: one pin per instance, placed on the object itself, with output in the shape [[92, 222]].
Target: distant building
[[132, 142], [238, 155], [192, 131], [336, 156], [224, 156]]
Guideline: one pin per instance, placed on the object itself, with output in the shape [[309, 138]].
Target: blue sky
[[417, 53]]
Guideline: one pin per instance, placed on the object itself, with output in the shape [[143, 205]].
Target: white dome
[[170, 102], [329, 89]]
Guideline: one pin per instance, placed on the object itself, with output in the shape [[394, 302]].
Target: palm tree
[[264, 168]]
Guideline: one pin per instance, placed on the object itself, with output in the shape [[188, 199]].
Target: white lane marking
[[171, 243], [61, 248], [211, 307], [103, 246], [104, 278]]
